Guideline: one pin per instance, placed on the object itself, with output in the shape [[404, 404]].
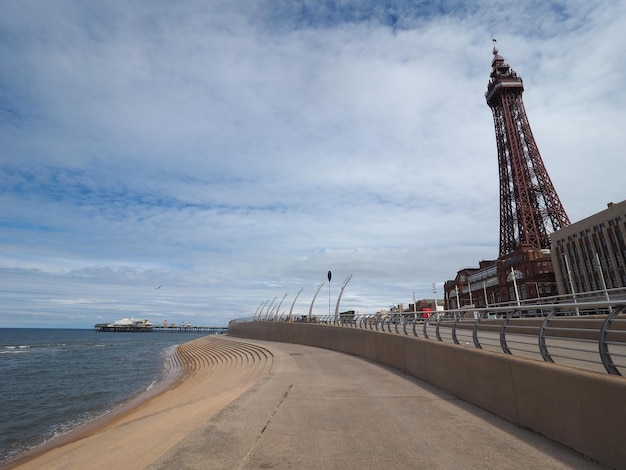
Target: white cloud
[[236, 151]]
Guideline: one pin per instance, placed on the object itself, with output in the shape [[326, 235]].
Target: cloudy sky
[[234, 151]]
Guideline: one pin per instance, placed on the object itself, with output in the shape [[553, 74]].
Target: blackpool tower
[[530, 208]]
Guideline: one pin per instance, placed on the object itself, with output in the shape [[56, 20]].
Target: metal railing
[[587, 335]]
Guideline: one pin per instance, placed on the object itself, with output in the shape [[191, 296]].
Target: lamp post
[[485, 294], [279, 304], [313, 301], [261, 309], [257, 311], [345, 283], [571, 283], [268, 308], [515, 285], [293, 303], [330, 275], [606, 292]]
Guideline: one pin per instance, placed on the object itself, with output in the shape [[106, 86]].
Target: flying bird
[[157, 287]]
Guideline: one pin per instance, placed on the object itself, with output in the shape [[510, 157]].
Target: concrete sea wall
[[585, 411]]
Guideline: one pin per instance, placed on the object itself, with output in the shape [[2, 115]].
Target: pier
[[117, 328]]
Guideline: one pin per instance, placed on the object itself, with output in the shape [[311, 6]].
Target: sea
[[53, 380]]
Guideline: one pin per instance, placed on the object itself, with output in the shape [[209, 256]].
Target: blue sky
[[232, 152]]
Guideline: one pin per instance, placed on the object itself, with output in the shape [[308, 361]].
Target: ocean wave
[[15, 350]]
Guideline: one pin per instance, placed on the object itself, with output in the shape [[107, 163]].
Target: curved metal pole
[[261, 310], [268, 308], [257, 311], [437, 329], [475, 333], [503, 345], [279, 304], [270, 313], [543, 347], [605, 355], [313, 301], [345, 283], [293, 303], [456, 321]]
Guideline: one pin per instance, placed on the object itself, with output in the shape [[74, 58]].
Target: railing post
[[503, 345], [454, 338], [426, 322], [475, 334], [543, 348], [437, 330], [605, 355]]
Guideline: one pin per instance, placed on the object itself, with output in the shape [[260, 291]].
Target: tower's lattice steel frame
[[528, 200]]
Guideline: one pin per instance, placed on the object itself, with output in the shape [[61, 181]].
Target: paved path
[[320, 409]]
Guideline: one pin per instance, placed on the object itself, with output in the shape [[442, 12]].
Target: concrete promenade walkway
[[319, 409]]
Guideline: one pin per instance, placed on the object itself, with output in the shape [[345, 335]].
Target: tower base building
[[526, 273]]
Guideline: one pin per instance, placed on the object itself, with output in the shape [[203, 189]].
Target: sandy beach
[[207, 375], [250, 404]]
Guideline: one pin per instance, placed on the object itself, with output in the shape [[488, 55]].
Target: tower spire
[[528, 200]]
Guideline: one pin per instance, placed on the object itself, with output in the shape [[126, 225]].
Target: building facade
[[590, 255], [526, 273]]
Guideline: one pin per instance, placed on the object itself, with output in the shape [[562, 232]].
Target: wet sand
[[206, 375]]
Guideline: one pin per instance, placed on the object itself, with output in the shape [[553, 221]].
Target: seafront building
[[590, 255]]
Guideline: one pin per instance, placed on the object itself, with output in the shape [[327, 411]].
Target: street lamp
[[279, 304], [345, 283], [293, 303], [257, 310], [606, 292], [313, 301], [261, 309], [330, 275], [571, 284], [268, 308]]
